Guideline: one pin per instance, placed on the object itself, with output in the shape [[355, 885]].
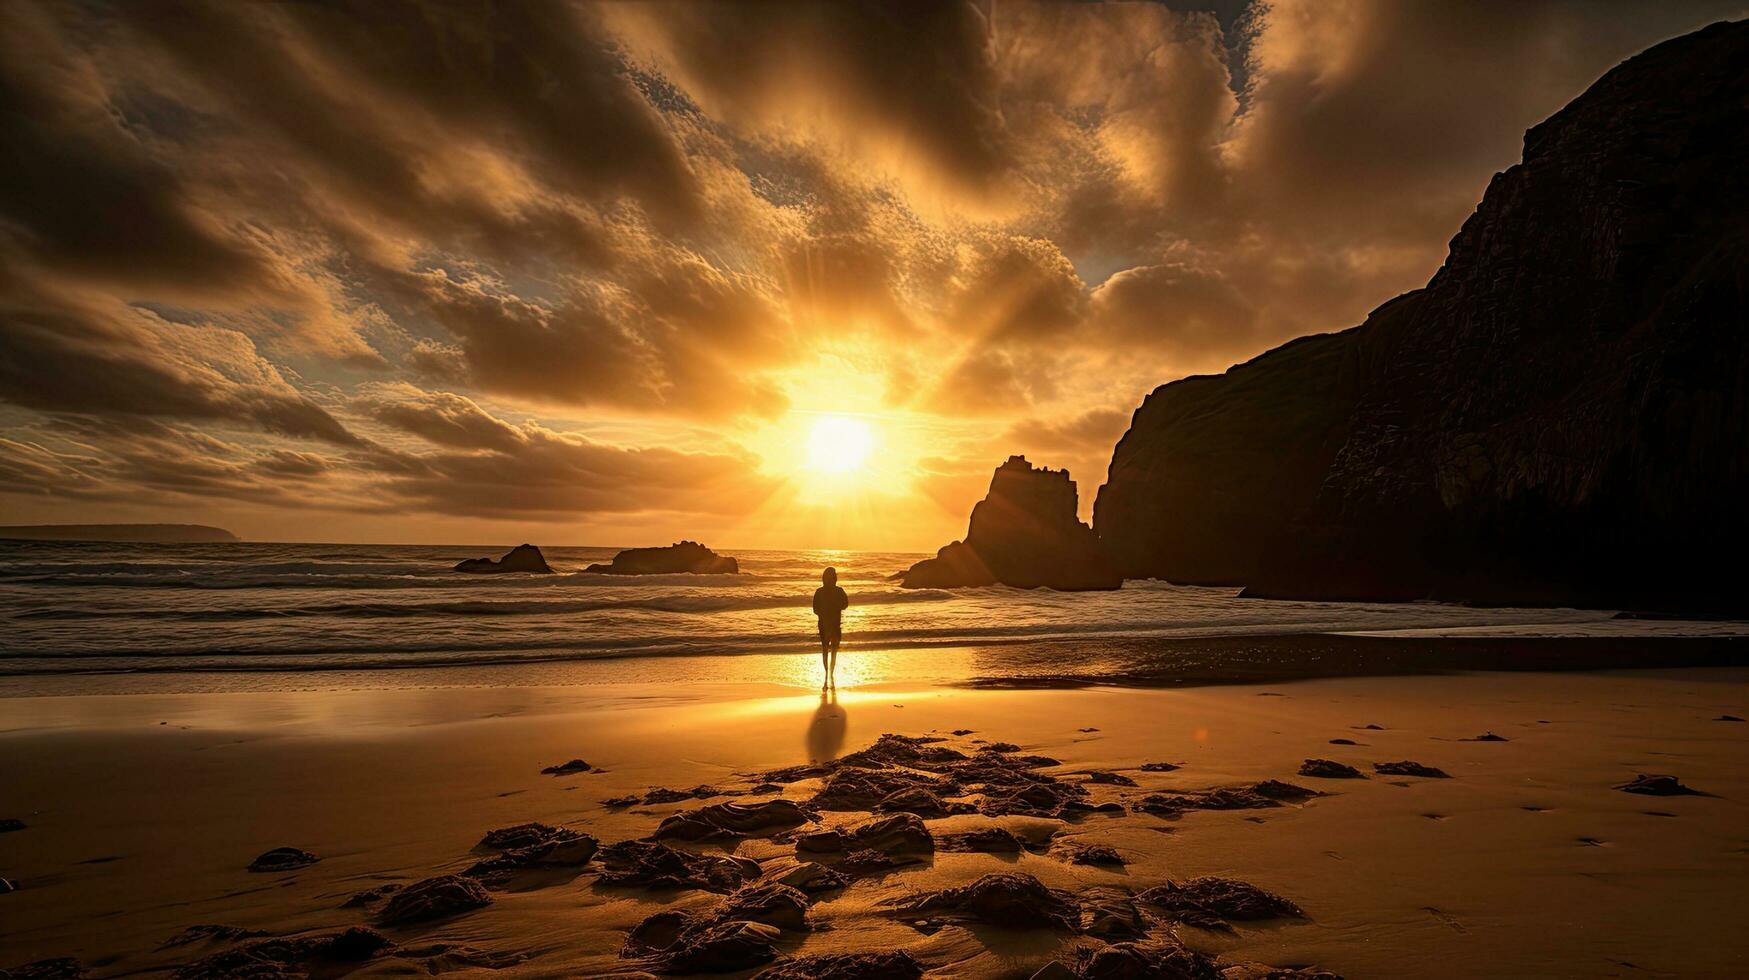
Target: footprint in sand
[[1436, 816], [1535, 809], [1593, 842]]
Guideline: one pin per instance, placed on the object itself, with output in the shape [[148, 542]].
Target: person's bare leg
[[825, 665], [833, 667]]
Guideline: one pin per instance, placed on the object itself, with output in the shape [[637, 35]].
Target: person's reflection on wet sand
[[826, 728]]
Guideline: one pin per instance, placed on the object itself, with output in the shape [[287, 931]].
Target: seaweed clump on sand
[[1658, 786]]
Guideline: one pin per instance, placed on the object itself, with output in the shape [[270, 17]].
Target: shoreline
[[1124, 661]]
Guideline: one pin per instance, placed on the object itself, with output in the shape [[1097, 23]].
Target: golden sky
[[767, 275]]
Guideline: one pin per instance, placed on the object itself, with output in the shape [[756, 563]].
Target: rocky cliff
[[1560, 416], [1024, 533]]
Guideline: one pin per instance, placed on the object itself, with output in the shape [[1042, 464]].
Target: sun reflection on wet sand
[[827, 727]]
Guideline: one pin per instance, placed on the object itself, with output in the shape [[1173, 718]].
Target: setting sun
[[839, 445]]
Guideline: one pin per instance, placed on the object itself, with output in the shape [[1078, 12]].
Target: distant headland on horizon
[[157, 533]]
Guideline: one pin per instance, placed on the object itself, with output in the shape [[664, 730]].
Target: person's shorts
[[832, 632]]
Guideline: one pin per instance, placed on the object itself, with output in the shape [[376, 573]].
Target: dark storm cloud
[[677, 338], [1381, 122], [1016, 289], [1191, 315], [488, 467], [58, 354], [994, 381], [1093, 431], [892, 80], [293, 464], [445, 419], [150, 463], [382, 99], [81, 193], [28, 468], [482, 467]]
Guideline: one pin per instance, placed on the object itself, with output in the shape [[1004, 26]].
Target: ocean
[[94, 609]]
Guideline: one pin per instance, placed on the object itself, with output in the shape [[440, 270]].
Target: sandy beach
[[143, 812]]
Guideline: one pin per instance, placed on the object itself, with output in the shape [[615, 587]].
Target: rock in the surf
[[283, 859], [522, 558], [1024, 533], [682, 557]]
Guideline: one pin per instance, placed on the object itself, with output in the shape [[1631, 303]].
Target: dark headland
[[143, 533], [1559, 417]]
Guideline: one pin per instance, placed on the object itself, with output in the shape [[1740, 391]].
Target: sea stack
[[682, 557], [522, 558], [1557, 417], [1024, 533]]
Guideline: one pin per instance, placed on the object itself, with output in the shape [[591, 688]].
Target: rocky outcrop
[[434, 898], [683, 557], [1213, 899], [1007, 899], [1024, 533], [654, 865], [522, 558], [731, 820], [320, 954], [1559, 416]]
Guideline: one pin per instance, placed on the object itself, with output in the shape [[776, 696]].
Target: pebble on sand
[[1407, 768], [1654, 785]]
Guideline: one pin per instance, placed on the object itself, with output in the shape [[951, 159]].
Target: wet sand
[[143, 813]]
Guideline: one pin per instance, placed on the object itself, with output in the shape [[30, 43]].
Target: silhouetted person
[[829, 604]]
